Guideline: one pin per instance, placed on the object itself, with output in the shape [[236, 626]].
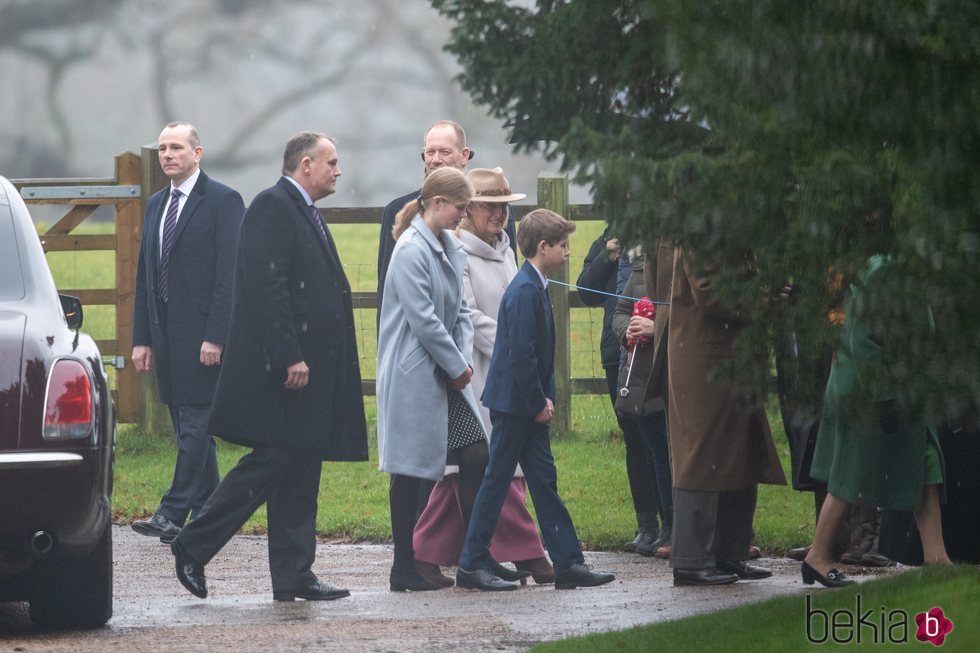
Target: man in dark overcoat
[[290, 386], [182, 309]]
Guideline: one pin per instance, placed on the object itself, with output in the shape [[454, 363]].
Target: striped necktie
[[318, 221], [169, 229]]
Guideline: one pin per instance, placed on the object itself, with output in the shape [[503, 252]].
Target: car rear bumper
[[38, 460], [58, 493]]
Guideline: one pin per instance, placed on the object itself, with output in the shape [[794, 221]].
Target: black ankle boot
[[646, 531], [405, 578], [666, 531]]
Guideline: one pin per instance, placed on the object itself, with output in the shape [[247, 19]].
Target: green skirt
[[934, 465]]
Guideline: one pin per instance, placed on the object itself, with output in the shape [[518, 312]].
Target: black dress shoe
[[482, 579], [313, 591], [743, 570], [408, 579], [579, 575], [709, 576], [834, 577], [189, 573], [509, 575], [157, 526]]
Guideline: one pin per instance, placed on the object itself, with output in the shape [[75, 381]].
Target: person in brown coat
[[720, 442]]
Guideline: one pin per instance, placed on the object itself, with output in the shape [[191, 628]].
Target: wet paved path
[[154, 613]]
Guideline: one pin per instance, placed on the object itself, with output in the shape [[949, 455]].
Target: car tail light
[[68, 403]]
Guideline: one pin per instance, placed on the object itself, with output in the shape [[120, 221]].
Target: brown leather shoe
[[798, 553], [541, 570], [433, 574]]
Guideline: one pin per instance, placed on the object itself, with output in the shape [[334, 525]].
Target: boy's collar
[[541, 275]]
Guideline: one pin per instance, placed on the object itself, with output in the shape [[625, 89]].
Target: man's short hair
[[542, 224], [301, 145], [458, 128], [194, 137]]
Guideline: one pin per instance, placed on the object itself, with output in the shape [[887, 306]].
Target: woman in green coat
[[870, 450]]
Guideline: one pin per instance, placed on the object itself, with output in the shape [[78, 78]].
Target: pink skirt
[[439, 533]]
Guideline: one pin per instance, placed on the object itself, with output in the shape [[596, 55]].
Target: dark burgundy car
[[57, 440]]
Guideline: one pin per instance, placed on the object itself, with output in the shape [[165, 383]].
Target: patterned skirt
[[464, 426]]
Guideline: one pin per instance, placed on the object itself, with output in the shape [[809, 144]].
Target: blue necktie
[[169, 229]]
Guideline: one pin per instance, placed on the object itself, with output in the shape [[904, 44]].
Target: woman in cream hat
[[490, 266]]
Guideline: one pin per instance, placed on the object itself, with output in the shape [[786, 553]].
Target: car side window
[[11, 277]]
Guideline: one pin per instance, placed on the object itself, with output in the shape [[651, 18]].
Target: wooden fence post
[[553, 195], [153, 416], [128, 220]]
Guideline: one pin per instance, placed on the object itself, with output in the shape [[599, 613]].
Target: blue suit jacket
[[522, 367]]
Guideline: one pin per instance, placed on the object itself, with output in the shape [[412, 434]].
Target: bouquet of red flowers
[[644, 308]]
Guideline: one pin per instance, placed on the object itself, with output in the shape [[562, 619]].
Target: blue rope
[[607, 294]]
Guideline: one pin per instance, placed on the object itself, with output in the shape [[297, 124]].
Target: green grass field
[[354, 504], [783, 625]]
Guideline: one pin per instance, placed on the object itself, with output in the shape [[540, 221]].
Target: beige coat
[[718, 441]]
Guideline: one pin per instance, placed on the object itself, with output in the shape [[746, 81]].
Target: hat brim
[[499, 198]]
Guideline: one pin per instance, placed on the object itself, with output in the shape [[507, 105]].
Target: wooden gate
[[139, 176]]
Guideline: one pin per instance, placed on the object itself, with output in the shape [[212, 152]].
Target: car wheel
[[75, 592]]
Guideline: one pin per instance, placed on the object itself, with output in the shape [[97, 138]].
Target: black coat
[[600, 273], [292, 303], [199, 280]]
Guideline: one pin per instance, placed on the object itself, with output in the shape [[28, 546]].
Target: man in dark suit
[[183, 304], [290, 386], [520, 394]]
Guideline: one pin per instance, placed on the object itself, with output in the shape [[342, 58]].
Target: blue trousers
[[196, 468], [514, 440]]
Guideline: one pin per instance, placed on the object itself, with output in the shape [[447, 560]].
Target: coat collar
[[476, 246], [304, 208], [447, 238], [454, 252]]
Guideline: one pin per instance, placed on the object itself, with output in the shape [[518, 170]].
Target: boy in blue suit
[[520, 394]]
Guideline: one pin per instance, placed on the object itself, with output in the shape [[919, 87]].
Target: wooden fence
[[137, 176]]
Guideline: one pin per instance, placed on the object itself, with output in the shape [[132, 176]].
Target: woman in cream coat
[[490, 266]]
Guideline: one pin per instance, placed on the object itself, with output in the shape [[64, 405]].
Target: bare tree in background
[[253, 61]]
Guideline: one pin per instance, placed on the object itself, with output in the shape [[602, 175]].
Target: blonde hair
[[448, 183]]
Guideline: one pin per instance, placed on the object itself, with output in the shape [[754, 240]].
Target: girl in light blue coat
[[426, 406]]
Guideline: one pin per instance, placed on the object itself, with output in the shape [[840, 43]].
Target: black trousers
[[288, 480]]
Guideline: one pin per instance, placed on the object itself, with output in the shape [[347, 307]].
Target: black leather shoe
[[579, 575], [157, 526], [313, 591], [834, 577], [709, 576], [743, 570], [482, 579], [408, 579], [189, 573], [509, 575]]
